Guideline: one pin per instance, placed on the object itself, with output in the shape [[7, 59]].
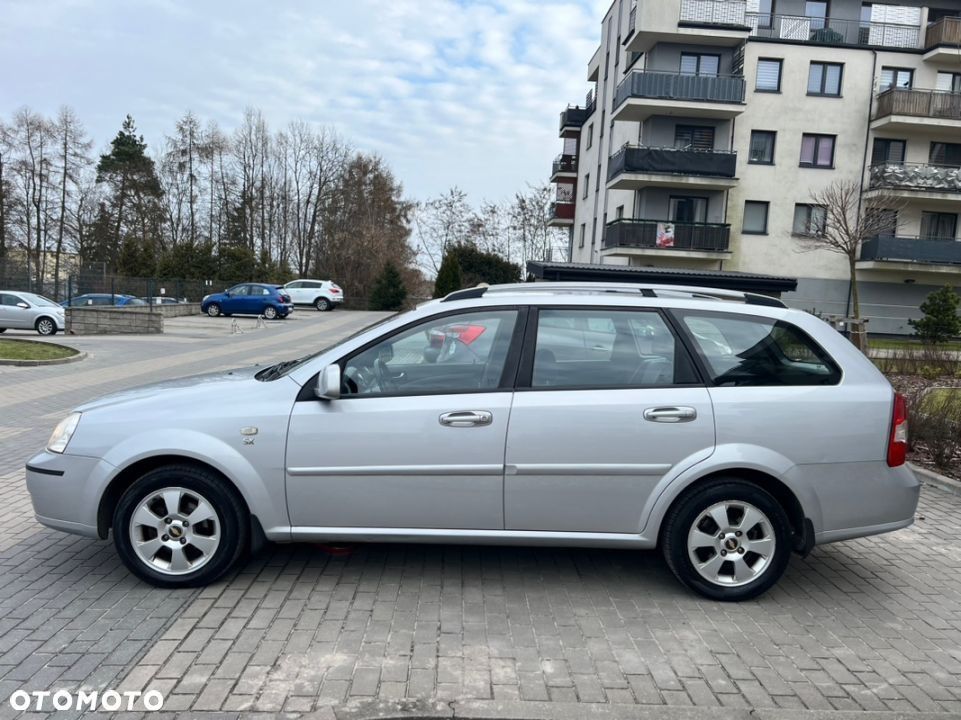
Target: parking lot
[[871, 625]]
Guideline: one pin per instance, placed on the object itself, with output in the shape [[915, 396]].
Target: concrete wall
[[178, 310], [114, 321]]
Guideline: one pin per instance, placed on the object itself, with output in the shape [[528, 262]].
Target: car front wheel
[[729, 540], [322, 304], [213, 310], [180, 526], [46, 326]]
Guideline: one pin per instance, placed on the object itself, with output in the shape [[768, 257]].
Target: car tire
[[213, 310], [270, 312], [45, 326], [750, 557], [3, 330], [201, 551], [323, 304]]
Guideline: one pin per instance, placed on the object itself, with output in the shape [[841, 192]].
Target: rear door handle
[[670, 414], [466, 418]]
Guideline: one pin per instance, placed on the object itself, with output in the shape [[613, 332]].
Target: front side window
[[757, 351], [817, 151], [825, 79], [454, 354], [755, 217], [810, 220], [578, 348], [768, 75], [761, 151], [296, 285], [239, 290]]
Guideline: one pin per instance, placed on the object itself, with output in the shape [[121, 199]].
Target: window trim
[[896, 70], [818, 137], [773, 134], [824, 65], [507, 380], [699, 55], [794, 232], [780, 74], [767, 217], [525, 374]]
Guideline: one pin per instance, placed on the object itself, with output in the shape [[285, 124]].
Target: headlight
[[63, 432]]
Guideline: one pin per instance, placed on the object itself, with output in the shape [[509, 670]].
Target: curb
[[79, 355], [937, 479]]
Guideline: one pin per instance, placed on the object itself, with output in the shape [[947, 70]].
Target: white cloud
[[450, 92]]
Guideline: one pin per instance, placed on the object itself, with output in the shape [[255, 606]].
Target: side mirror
[[226, 294], [25, 306], [328, 383]]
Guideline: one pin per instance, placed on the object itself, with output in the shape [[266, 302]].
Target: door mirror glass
[[25, 306], [328, 383]]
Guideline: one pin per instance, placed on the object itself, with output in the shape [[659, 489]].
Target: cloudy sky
[[450, 92]]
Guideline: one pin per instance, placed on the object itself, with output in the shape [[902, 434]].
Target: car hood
[[201, 385]]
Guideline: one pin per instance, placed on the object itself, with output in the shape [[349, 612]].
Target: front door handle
[[466, 418], [670, 414]]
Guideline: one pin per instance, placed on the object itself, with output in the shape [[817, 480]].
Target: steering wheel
[[383, 376]]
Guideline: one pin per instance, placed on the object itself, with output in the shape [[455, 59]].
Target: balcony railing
[[672, 161], [946, 31], [732, 13], [562, 211], [830, 31], [564, 164], [919, 103], [912, 249], [680, 86], [575, 115], [916, 176], [705, 237]]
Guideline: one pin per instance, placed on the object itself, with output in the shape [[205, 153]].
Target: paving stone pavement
[[869, 626]]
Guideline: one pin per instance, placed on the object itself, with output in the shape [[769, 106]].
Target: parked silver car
[[28, 311], [721, 427]]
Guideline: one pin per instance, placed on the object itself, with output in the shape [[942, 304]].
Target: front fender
[[264, 495], [730, 457]]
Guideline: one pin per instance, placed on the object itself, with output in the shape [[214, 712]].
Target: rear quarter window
[[747, 350]]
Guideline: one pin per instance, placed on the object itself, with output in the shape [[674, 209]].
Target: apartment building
[[711, 125]]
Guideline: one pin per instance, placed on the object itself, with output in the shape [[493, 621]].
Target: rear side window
[[586, 348], [758, 351]]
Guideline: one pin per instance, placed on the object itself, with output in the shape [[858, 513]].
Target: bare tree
[[842, 219], [73, 147], [441, 222]]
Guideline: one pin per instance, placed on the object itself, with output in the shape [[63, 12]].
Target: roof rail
[[643, 289]]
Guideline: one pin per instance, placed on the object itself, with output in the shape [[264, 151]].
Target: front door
[[607, 406], [11, 314], [417, 440]]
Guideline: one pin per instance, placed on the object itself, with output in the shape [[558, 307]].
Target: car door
[[235, 299], [296, 291], [417, 439], [608, 403], [11, 314]]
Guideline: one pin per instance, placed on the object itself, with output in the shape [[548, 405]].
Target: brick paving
[[866, 626]]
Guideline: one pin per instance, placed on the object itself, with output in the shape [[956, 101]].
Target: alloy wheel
[[731, 543], [175, 531]]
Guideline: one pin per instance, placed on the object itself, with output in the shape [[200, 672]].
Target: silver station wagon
[[721, 427]]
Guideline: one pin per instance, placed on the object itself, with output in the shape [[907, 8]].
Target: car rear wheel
[[3, 330], [46, 326], [180, 526], [213, 310], [322, 304], [270, 312], [729, 540]]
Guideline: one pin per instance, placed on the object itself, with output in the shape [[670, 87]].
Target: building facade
[[711, 125]]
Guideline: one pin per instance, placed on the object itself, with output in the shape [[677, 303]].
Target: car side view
[[28, 311], [324, 295], [102, 299], [249, 299], [721, 427]]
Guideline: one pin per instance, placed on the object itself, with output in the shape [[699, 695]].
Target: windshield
[[39, 300]]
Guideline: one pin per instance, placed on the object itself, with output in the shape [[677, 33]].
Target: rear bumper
[[65, 490]]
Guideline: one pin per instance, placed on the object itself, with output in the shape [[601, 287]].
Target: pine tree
[[388, 292], [449, 276], [940, 322]]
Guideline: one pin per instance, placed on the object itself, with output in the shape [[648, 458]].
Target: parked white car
[[27, 311], [322, 294]]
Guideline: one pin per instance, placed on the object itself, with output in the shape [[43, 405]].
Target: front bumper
[[65, 490]]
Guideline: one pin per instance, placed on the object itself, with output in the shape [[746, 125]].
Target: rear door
[[11, 314], [608, 403]]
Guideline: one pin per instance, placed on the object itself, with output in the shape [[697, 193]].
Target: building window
[[768, 75], [587, 183], [893, 77], [761, 151], [603, 120], [700, 64], [684, 209], [590, 135], [817, 11], [825, 79], [594, 232], [694, 137], [619, 213], [765, 14], [887, 152], [939, 226], [809, 220], [755, 217], [580, 241], [946, 154], [949, 82], [817, 151]]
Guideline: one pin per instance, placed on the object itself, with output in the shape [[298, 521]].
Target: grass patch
[[30, 350], [885, 344]]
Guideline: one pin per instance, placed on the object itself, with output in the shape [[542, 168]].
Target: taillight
[[898, 442], [334, 290]]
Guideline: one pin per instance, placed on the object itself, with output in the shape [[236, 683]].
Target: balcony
[[831, 31], [891, 252], [565, 166], [692, 240], [644, 93], [942, 40], [934, 183], [903, 109], [561, 214], [702, 22], [635, 167], [574, 117]]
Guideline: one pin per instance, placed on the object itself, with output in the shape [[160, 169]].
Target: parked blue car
[[249, 299], [102, 299]]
